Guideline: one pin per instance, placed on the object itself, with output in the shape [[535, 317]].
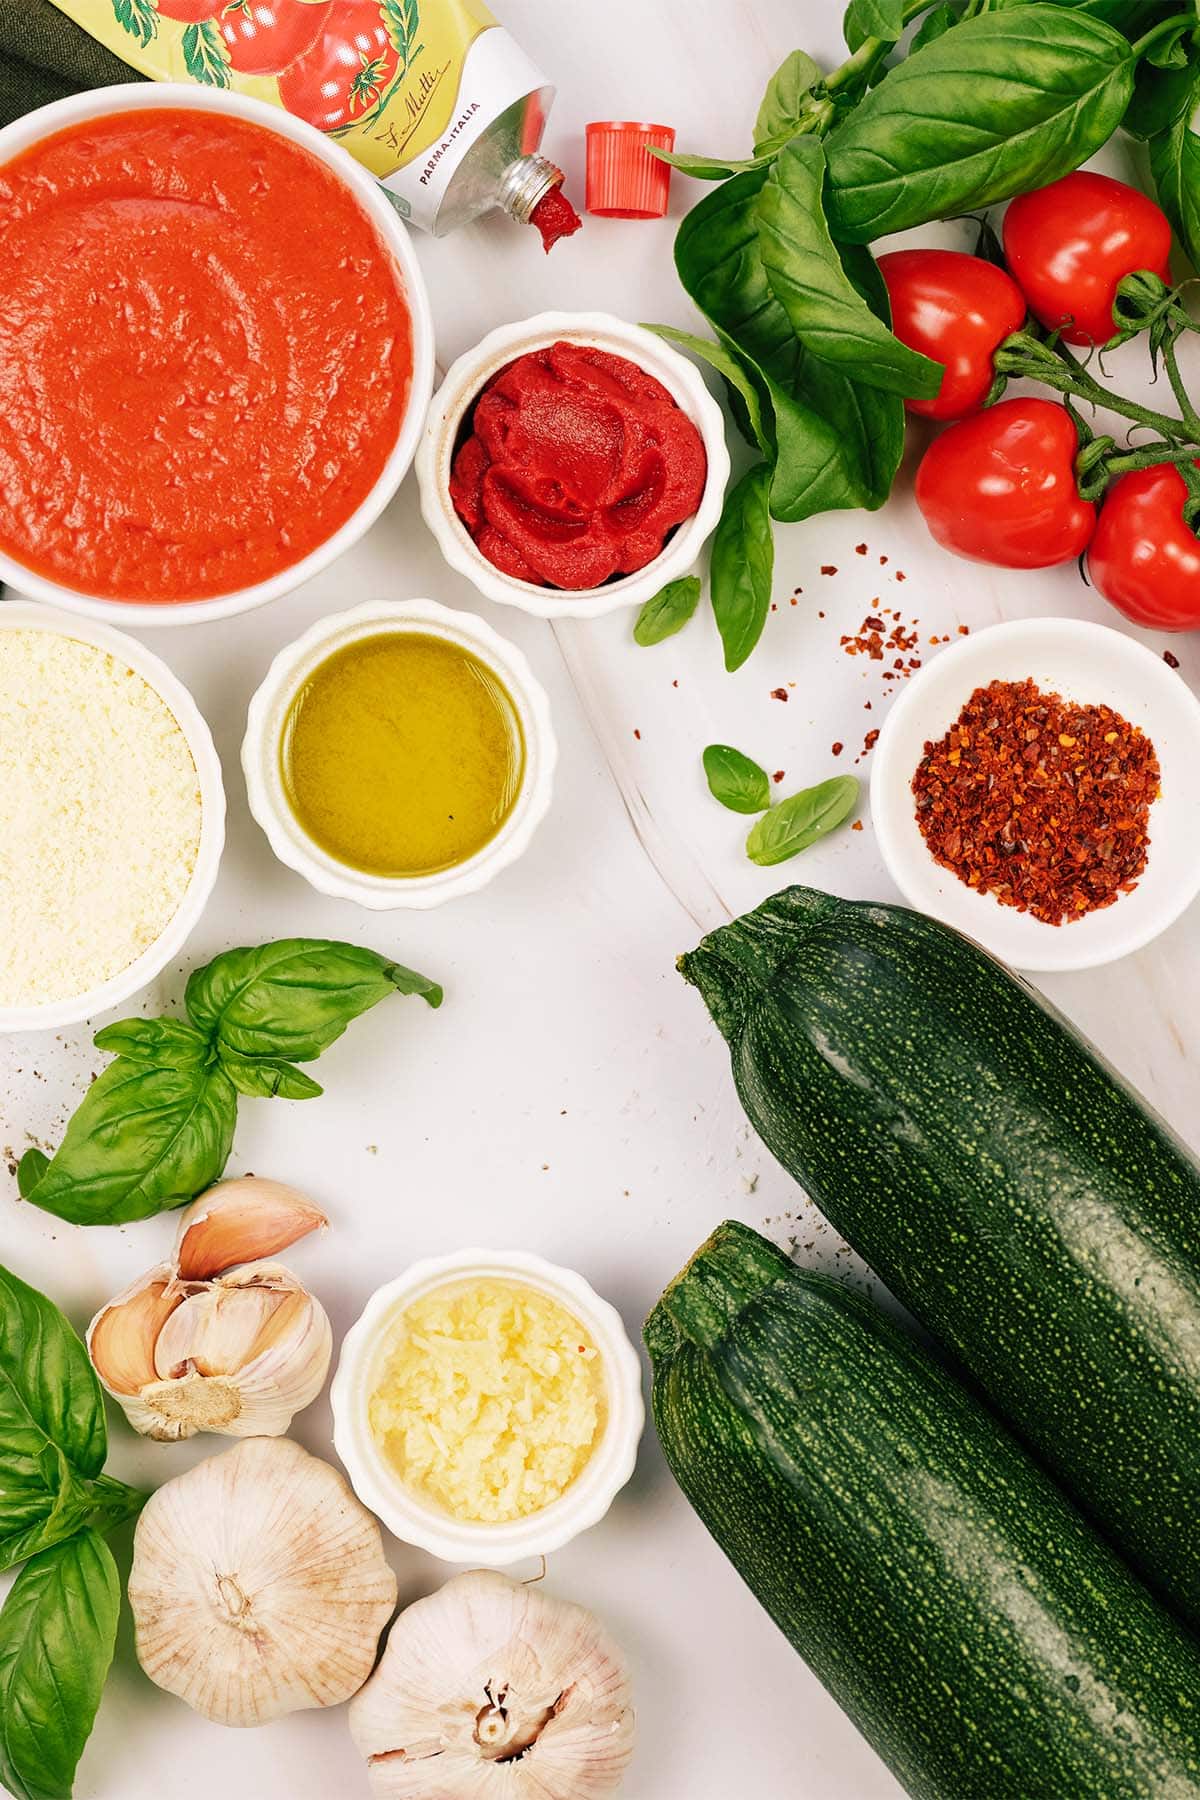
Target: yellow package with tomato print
[[433, 96]]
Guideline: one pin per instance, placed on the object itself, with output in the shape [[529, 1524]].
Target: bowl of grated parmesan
[[112, 817]]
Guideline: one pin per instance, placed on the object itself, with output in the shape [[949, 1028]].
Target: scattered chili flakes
[[829, 568], [1039, 801], [836, 749], [1170, 658], [860, 549], [875, 637], [637, 734], [778, 775], [857, 825], [869, 743], [779, 693]]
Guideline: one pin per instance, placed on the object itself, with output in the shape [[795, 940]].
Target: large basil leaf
[[742, 565], [1132, 17], [1175, 165], [290, 1000], [786, 101], [58, 1629], [837, 444], [52, 1433], [998, 104], [145, 1137], [826, 311]]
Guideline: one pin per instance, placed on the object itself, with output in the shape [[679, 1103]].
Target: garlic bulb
[[258, 1585], [488, 1690], [204, 1345]]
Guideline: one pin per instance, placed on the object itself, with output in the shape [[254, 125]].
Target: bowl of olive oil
[[399, 755]]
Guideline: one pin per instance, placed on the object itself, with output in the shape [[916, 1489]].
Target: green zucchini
[[1018, 1198], [982, 1638]]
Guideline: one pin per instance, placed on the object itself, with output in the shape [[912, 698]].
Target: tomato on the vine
[[1000, 487], [191, 12], [348, 70], [1144, 558], [956, 309], [1069, 244], [264, 36]]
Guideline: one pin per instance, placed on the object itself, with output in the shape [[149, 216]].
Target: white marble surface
[[570, 1097]]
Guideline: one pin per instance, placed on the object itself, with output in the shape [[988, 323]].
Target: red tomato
[[264, 36], [999, 487], [955, 308], [190, 12], [1143, 557], [1069, 244], [347, 71]]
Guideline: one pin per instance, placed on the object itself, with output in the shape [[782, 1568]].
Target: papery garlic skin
[[259, 1585], [241, 1221], [489, 1690]]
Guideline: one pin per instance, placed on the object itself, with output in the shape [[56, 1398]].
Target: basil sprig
[[157, 1127]]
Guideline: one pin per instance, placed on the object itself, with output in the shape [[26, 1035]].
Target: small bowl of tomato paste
[[572, 464], [216, 353]]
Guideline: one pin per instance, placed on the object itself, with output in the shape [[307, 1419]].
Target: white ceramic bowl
[[1085, 663], [360, 1367], [21, 615], [263, 767], [460, 390], [141, 97]]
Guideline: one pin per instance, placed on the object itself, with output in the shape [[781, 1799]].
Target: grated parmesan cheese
[[100, 814], [492, 1400]]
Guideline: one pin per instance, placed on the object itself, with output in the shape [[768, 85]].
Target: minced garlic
[[491, 1401], [100, 816]]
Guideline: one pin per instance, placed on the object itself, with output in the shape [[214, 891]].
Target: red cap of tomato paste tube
[[623, 180]]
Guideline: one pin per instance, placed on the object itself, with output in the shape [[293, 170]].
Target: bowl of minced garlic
[[488, 1405]]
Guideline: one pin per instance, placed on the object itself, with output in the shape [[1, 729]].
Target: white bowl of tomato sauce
[[596, 477], [216, 353]]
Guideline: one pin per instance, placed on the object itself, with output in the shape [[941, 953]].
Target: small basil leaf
[[708, 168], [265, 1079], [291, 1000], [667, 612], [826, 311], [1003, 102], [143, 1138], [1175, 165], [933, 25], [743, 561], [169, 1042], [784, 103], [873, 18], [735, 780], [58, 1629], [718, 356], [800, 820]]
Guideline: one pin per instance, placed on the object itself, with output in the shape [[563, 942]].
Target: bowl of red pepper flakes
[[1037, 786]]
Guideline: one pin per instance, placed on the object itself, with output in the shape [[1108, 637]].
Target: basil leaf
[[933, 25], [58, 1630], [873, 18], [53, 1438], [292, 999], [709, 168], [751, 423], [735, 780], [1175, 166], [837, 444], [168, 1042], [145, 1137], [667, 612], [826, 311], [1160, 96], [1132, 17], [784, 108], [743, 561], [998, 104], [263, 1078], [801, 819]]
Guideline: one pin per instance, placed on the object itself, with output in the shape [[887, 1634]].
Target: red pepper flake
[[675, 684], [860, 549], [774, 606], [836, 749], [779, 693], [637, 734], [964, 631], [1039, 801], [1170, 658], [900, 575], [779, 775], [883, 562], [794, 601], [820, 615], [829, 568], [857, 825]]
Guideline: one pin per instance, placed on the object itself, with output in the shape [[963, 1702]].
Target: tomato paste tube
[[433, 96]]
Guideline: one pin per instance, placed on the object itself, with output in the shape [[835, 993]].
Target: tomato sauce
[[205, 355]]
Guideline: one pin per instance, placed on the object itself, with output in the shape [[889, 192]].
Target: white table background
[[570, 1097]]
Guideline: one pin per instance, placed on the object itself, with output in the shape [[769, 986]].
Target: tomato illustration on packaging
[[432, 96]]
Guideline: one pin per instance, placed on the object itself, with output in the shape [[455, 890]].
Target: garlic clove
[[241, 1221], [259, 1585], [121, 1338], [488, 1690], [214, 1330]]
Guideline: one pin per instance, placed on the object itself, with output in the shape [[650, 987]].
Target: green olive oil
[[402, 754]]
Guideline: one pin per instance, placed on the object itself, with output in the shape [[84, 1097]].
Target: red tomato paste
[[555, 218], [578, 467], [205, 355]]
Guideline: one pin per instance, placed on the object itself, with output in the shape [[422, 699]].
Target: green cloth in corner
[[44, 55]]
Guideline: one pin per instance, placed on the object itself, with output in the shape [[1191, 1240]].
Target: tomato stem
[[870, 54], [1187, 411], [1052, 363]]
